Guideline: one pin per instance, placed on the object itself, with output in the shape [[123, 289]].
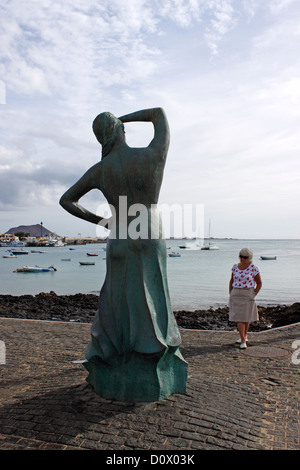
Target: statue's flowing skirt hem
[[136, 377]]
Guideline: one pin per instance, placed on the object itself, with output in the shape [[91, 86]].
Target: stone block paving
[[233, 400]]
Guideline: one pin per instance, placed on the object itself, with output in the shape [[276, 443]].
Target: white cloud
[[276, 6], [226, 72]]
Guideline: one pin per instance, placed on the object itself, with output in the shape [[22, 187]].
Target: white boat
[[9, 256], [267, 257], [174, 255], [19, 252], [205, 247], [38, 269], [55, 242], [86, 263], [209, 245]]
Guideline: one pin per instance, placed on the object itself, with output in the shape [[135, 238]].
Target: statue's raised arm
[[161, 140]]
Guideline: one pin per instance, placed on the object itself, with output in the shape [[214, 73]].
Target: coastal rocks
[[211, 319], [82, 308], [50, 306], [281, 315], [217, 319]]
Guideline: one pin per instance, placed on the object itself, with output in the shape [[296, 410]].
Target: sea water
[[197, 279]]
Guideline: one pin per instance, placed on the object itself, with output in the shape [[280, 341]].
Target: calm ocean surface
[[197, 279]]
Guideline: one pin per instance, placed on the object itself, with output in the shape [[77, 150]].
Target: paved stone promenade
[[234, 399]]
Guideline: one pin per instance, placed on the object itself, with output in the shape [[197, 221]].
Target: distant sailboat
[[209, 245]]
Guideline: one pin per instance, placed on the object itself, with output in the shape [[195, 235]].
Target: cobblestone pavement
[[233, 400]]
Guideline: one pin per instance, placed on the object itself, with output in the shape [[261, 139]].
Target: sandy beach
[[82, 308]]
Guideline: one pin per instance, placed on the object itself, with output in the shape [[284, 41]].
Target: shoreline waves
[[82, 308]]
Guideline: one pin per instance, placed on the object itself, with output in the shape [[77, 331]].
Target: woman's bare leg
[[246, 330], [242, 331]]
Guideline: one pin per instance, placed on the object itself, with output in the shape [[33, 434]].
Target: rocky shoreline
[[82, 308]]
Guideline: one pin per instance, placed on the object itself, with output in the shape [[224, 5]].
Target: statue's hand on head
[[109, 131]]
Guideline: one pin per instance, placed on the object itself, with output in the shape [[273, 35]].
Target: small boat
[[92, 254], [205, 247], [55, 242], [19, 252], [209, 245], [86, 263], [268, 257], [174, 255], [36, 269], [66, 259], [9, 256]]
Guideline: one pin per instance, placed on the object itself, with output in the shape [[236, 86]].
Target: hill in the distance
[[33, 230]]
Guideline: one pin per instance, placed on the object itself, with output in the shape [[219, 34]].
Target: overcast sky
[[226, 72]]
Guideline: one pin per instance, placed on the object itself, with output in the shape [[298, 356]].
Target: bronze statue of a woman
[[134, 352]]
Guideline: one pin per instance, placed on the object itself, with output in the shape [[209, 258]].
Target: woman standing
[[244, 285]]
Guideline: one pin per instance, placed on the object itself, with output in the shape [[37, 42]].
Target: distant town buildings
[[9, 239]]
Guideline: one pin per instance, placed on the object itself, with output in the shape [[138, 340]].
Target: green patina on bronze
[[134, 352]]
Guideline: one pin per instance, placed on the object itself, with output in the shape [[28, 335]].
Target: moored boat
[[36, 269]]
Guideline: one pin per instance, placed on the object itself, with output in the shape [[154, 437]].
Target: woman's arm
[[230, 283], [157, 116], [69, 200], [258, 281]]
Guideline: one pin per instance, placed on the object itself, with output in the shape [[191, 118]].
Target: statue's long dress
[[133, 354]]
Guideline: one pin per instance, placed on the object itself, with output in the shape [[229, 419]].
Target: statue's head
[[106, 127]]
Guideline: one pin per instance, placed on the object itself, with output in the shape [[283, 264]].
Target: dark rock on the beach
[[218, 319], [49, 306], [82, 308], [281, 315], [204, 319]]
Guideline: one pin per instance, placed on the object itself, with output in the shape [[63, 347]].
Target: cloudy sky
[[227, 73]]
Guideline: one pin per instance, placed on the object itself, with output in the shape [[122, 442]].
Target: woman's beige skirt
[[242, 305]]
